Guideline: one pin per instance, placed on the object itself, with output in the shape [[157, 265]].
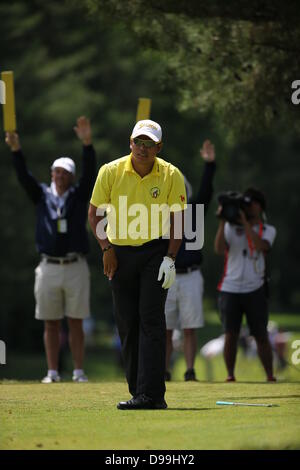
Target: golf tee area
[[84, 417]]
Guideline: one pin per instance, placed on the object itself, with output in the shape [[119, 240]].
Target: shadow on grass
[[193, 409], [242, 382]]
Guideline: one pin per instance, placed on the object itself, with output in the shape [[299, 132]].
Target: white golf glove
[[167, 268]]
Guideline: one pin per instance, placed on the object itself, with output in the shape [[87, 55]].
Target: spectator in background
[[279, 342], [245, 244], [184, 308], [62, 279]]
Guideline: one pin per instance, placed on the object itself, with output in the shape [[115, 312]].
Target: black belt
[[187, 270], [61, 260]]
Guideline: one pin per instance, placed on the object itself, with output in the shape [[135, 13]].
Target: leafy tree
[[65, 65], [235, 58], [68, 62]]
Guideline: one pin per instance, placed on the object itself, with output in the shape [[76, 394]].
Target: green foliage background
[[206, 80]]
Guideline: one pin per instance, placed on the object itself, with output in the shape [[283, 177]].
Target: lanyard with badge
[[60, 208], [62, 224], [59, 205]]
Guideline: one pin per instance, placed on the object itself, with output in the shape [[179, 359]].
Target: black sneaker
[[230, 378], [190, 375], [142, 402], [168, 376]]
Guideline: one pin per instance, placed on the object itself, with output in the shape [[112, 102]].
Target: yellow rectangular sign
[[9, 112], [143, 109]]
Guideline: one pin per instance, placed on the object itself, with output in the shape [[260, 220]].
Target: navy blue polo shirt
[[48, 239]]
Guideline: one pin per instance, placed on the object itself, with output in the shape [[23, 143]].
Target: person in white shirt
[[242, 286]]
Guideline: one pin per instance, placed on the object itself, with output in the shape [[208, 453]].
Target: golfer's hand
[[12, 140], [167, 269], [83, 130], [110, 263], [208, 151]]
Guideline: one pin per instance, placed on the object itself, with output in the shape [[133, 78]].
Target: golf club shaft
[[242, 404]]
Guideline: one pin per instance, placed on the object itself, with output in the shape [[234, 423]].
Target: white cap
[[66, 163], [149, 128]]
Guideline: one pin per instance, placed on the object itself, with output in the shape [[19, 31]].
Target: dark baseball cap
[[256, 195]]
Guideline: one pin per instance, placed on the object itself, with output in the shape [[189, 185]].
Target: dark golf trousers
[[139, 303]]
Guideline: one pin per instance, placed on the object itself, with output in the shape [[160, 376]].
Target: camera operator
[[245, 243]]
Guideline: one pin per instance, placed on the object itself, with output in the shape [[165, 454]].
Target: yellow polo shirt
[[138, 209]]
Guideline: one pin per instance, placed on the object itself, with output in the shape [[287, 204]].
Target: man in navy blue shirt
[[184, 302], [62, 283]]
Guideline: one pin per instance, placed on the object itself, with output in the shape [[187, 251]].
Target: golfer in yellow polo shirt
[[144, 198]]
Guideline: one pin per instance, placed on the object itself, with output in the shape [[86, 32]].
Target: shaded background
[[216, 72]]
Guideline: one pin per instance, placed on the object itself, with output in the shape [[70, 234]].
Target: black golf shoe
[[168, 376], [142, 402], [190, 375]]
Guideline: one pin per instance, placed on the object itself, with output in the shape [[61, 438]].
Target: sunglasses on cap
[[147, 143]]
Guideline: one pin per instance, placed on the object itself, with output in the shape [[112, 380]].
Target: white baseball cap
[[66, 163], [147, 127]]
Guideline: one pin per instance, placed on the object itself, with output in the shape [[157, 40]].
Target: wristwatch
[[106, 248]]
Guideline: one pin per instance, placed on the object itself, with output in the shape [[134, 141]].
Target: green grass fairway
[[84, 416]]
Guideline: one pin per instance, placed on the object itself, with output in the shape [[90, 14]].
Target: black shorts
[[254, 304]]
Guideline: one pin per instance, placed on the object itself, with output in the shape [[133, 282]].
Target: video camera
[[232, 202]]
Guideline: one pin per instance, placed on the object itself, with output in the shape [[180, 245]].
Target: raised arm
[[83, 130], [205, 192], [29, 183]]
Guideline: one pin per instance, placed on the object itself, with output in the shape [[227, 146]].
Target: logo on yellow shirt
[[155, 192]]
